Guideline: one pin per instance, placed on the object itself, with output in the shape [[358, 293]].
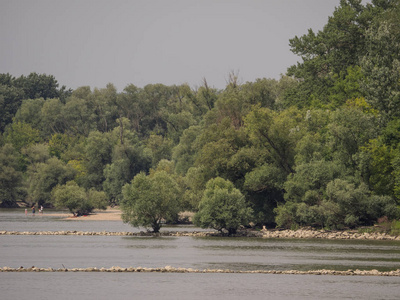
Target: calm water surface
[[194, 286], [187, 252]]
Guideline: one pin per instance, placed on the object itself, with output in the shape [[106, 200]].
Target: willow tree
[[223, 207], [150, 200]]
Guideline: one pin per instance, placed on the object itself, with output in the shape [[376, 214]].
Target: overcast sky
[[95, 42]]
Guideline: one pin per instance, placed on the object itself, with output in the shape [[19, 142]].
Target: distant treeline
[[319, 146]]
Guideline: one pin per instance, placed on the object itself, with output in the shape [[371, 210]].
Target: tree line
[[318, 147]]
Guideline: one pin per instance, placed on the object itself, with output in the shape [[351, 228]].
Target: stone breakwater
[[286, 234], [109, 233], [330, 235], [169, 269]]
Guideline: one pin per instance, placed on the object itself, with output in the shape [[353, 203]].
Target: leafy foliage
[[149, 200], [223, 207], [319, 146], [77, 200], [10, 176]]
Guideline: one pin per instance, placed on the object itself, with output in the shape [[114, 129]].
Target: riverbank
[[114, 214], [111, 214], [169, 269], [273, 234]]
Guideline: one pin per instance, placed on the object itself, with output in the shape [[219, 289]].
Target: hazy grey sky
[[94, 42]]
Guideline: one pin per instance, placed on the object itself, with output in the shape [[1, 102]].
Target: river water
[[186, 252]]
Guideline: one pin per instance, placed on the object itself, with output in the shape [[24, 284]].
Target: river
[[186, 252]]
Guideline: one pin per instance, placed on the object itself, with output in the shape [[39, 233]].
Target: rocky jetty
[[286, 234], [109, 233], [169, 269], [326, 234]]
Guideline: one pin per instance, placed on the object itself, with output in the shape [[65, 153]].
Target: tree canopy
[[317, 147]]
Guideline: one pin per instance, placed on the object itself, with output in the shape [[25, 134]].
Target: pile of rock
[[169, 269], [324, 234], [110, 233]]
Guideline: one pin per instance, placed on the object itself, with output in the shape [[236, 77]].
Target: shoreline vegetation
[[114, 214], [318, 147], [169, 269]]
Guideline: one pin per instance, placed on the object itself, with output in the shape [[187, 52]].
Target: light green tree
[[98, 153], [45, 176], [276, 133], [77, 200], [381, 62], [30, 113], [21, 135], [10, 176], [223, 207], [150, 200]]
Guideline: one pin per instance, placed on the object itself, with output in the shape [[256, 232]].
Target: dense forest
[[319, 147]]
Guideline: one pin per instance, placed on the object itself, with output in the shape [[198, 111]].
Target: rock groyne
[[169, 269], [325, 234]]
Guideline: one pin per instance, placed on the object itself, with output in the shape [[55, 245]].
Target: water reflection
[[193, 286], [186, 252], [54, 220]]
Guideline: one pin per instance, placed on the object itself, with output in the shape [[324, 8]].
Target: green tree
[[183, 154], [36, 153], [376, 159], [77, 117], [349, 130], [127, 161], [43, 177], [76, 199], [10, 177], [330, 55], [10, 100], [14, 90], [41, 86], [194, 184], [264, 190], [30, 112], [381, 62], [97, 154], [21, 135], [276, 133], [223, 207], [216, 146], [149, 200], [206, 97], [357, 205], [52, 117], [160, 147]]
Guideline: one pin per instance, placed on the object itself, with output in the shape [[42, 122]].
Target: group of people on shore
[[34, 210]]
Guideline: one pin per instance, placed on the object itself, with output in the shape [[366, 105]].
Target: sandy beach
[[111, 214]]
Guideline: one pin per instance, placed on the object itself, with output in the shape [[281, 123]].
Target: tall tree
[[381, 63], [43, 177], [223, 207], [327, 54], [149, 200], [10, 177]]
